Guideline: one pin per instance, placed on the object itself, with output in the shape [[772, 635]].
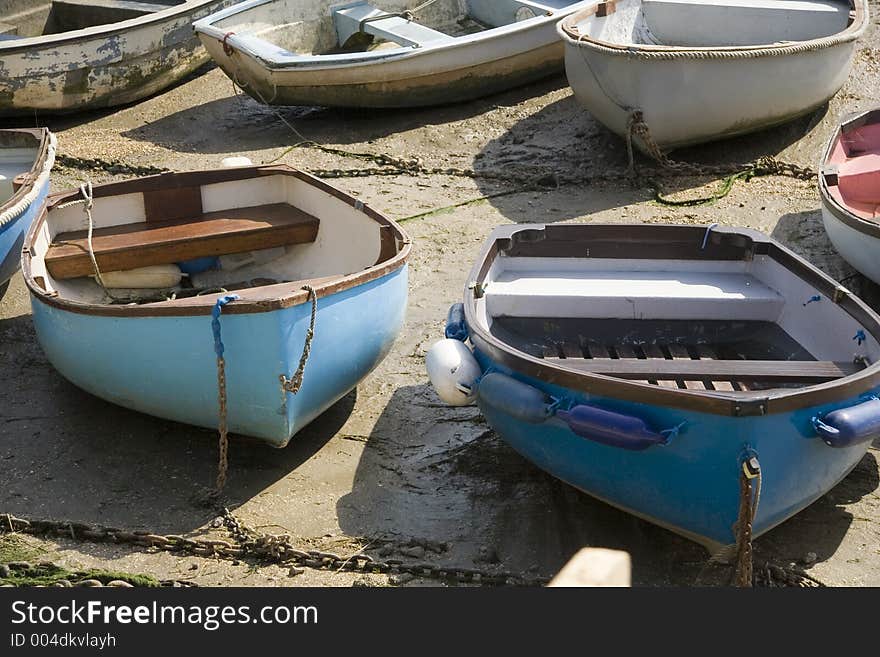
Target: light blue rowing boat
[[292, 272], [26, 159]]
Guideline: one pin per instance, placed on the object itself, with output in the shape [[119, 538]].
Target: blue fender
[[456, 327], [846, 427], [610, 428], [517, 399]]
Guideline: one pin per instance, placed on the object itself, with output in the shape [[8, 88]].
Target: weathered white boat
[[311, 283], [26, 159], [699, 70], [70, 55], [385, 53], [849, 184]]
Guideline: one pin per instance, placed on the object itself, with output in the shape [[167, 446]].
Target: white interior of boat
[[324, 27], [715, 23], [30, 18], [14, 162], [347, 240], [635, 297]]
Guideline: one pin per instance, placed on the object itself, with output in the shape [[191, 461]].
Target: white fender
[[236, 161], [152, 277], [453, 371]]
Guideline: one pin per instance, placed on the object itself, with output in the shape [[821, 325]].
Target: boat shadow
[[253, 126], [433, 474], [804, 233], [564, 140], [67, 455]]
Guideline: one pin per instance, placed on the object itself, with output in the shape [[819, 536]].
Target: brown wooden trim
[[718, 402], [285, 294]]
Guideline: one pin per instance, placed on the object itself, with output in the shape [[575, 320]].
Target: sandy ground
[[390, 460]]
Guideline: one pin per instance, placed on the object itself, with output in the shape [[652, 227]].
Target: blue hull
[[166, 366], [12, 235], [691, 485]]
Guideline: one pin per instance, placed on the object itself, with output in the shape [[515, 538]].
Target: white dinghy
[[385, 53], [72, 55], [698, 70]]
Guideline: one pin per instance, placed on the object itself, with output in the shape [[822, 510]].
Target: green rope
[[723, 190]]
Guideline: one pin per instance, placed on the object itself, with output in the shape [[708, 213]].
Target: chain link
[[293, 384], [262, 549]]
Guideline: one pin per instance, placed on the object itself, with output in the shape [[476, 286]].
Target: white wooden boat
[[699, 70], [384, 53], [70, 55], [849, 184]]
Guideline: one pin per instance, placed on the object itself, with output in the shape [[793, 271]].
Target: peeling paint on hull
[[285, 88], [102, 66]]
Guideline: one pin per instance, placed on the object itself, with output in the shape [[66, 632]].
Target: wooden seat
[[162, 242], [394, 28]]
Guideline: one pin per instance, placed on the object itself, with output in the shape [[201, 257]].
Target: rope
[[88, 202], [638, 51], [20, 207], [750, 470], [293, 384], [223, 464], [709, 229]]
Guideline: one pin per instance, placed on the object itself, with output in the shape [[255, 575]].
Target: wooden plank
[[571, 350], [626, 351], [714, 370], [679, 352], [598, 351], [707, 353], [595, 567], [654, 352], [172, 203], [214, 233]]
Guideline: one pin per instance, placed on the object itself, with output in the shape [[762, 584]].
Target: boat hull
[[390, 84], [434, 73], [102, 66], [691, 485], [12, 235], [166, 366], [691, 100], [858, 248]]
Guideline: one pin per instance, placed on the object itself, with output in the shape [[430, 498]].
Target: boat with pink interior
[[849, 184]]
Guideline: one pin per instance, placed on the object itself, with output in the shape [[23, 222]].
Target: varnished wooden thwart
[[713, 370], [156, 243]]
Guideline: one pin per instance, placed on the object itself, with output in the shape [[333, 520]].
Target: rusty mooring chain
[[763, 166], [262, 549]]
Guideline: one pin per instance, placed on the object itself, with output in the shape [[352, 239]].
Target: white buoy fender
[[151, 277], [236, 161], [453, 371]]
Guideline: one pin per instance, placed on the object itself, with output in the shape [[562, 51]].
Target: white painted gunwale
[[568, 32]]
